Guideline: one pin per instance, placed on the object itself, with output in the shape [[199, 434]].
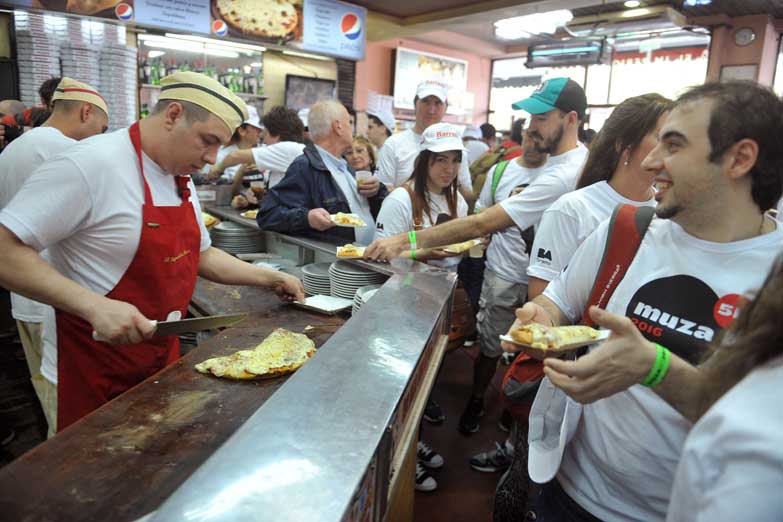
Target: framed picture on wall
[[411, 67], [302, 92], [738, 72]]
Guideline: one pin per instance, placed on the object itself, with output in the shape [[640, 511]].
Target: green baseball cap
[[557, 93]]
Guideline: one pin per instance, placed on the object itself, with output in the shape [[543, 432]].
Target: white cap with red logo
[[433, 87], [441, 137]]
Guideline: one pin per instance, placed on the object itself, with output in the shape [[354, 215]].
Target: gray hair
[[321, 117]]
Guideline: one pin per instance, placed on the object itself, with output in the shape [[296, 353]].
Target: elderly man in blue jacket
[[320, 182]]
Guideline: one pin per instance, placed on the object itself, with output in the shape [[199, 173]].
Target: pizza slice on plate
[[348, 220], [554, 337], [350, 251]]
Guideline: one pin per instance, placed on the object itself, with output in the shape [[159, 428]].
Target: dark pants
[[554, 505], [471, 273]]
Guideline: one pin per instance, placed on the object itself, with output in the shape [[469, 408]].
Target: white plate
[[325, 304], [602, 336], [333, 217], [455, 250]]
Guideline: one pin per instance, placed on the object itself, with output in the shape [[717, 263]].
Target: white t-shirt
[[398, 154], [276, 158], [732, 464], [508, 254], [396, 217], [558, 176], [84, 206], [17, 162], [568, 222], [679, 289], [475, 149]]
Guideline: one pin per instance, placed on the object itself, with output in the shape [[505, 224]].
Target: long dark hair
[[625, 129], [417, 188], [755, 338]]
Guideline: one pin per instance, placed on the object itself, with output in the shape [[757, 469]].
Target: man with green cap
[[119, 217], [557, 107]]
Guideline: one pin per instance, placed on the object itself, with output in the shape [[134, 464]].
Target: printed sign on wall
[[334, 28]]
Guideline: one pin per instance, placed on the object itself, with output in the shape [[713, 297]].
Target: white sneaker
[[427, 457], [424, 481]]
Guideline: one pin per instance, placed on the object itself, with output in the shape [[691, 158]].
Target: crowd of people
[[673, 418]]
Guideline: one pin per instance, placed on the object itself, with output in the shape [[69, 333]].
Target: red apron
[[159, 280]]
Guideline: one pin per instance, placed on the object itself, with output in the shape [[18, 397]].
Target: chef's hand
[[369, 186], [319, 219], [384, 249], [118, 322], [623, 360], [530, 313], [289, 288]]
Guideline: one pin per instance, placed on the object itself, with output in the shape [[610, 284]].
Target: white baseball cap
[[253, 118], [471, 131], [433, 87], [303, 115], [441, 137], [386, 118]]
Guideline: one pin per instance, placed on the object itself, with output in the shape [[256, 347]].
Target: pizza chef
[[126, 240]]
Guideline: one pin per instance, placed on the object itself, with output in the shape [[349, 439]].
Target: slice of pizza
[[250, 214], [459, 248], [553, 337], [281, 352], [89, 6], [350, 251], [209, 220], [348, 220]]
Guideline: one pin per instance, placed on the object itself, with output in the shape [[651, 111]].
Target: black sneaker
[[433, 412], [469, 421], [498, 459], [506, 421], [424, 481], [427, 457]]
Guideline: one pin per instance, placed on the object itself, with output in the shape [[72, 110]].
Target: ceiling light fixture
[[632, 3], [693, 3], [213, 41], [534, 24]]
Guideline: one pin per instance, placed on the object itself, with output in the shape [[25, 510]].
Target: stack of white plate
[[236, 239], [118, 83], [363, 295], [315, 278], [38, 60], [346, 279]]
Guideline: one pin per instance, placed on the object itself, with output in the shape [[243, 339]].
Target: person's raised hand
[[319, 219], [530, 313], [618, 363]]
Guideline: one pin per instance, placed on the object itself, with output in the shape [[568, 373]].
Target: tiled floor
[[463, 494]]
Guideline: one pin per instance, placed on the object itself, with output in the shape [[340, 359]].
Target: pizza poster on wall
[[271, 21], [113, 9]]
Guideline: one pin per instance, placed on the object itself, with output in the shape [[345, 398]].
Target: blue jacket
[[307, 185]]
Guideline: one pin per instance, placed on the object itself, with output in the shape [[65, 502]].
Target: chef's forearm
[[463, 229], [220, 267], [23, 270]]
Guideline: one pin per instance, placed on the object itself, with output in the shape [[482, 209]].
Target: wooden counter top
[[123, 460]]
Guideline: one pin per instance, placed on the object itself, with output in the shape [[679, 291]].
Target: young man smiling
[[720, 167]]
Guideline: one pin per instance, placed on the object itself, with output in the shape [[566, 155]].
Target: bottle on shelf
[[154, 74], [146, 70], [144, 112]]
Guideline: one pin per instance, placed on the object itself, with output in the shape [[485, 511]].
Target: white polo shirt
[[84, 206], [276, 158]]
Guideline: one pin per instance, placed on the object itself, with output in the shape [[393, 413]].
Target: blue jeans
[[554, 505]]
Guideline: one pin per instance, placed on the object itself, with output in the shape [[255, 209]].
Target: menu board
[[411, 67], [322, 26], [184, 15]]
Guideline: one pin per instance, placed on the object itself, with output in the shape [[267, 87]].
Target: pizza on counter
[[280, 353], [553, 337], [209, 219]]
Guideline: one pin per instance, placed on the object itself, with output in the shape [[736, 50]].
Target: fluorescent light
[[155, 54], [632, 3], [257, 64], [564, 50], [307, 55], [537, 23], [191, 49], [213, 41]]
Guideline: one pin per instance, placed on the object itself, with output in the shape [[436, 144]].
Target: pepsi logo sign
[[351, 26], [124, 11], [219, 28]]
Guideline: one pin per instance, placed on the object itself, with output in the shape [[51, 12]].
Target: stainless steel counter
[[305, 452]]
